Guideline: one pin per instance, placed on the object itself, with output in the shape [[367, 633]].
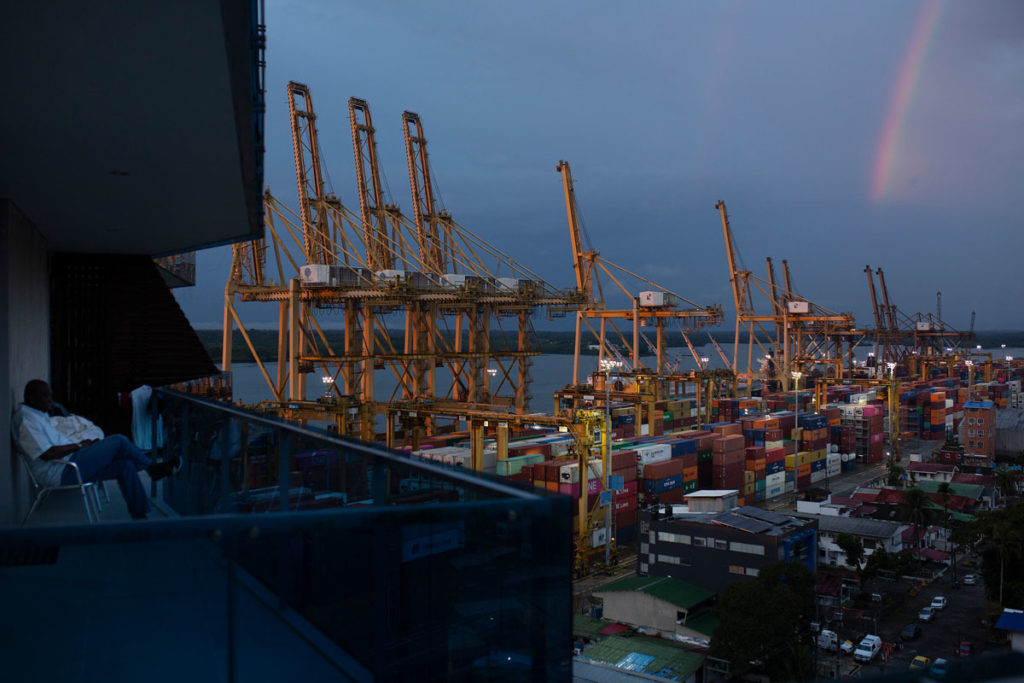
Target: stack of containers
[[663, 480], [814, 443], [728, 462], [684, 450], [755, 473], [934, 426], [648, 454], [626, 504], [868, 422], [842, 441]]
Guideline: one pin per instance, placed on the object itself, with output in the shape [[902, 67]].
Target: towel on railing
[[142, 417]]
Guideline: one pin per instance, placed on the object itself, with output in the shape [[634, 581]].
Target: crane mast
[[433, 250], [312, 205], [379, 248], [583, 260]]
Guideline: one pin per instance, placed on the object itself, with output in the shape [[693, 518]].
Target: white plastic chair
[[87, 489]]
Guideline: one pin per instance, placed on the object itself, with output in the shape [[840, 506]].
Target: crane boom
[[879, 321], [889, 309], [582, 259], [432, 250], [309, 174], [379, 253], [739, 298]]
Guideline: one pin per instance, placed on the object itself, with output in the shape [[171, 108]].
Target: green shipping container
[[689, 486]]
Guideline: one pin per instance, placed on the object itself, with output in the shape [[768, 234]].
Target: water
[[550, 373]]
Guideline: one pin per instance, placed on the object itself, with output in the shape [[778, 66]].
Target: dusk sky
[[839, 134]]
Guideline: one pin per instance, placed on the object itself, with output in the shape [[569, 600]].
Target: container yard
[[790, 409]]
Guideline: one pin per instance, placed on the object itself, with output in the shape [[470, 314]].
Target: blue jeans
[[115, 457]]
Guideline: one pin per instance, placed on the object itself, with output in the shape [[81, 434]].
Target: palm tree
[[1006, 538], [1006, 480], [914, 509], [945, 490]]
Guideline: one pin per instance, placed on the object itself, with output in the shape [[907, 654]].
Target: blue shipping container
[[661, 485]]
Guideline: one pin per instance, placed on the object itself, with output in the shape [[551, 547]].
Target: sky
[[839, 134]]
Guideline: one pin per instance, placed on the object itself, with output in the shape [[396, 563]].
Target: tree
[[854, 550], [1002, 531], [895, 476], [914, 509], [762, 620], [1006, 481], [945, 490]]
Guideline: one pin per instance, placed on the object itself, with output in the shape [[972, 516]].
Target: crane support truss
[[797, 335]]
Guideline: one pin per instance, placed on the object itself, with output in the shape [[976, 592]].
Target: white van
[[828, 640], [868, 648]]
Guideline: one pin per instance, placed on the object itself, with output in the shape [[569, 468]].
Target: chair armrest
[[78, 472]]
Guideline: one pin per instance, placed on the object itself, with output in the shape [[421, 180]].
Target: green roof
[[958, 516], [674, 591], [588, 627], [705, 623], [667, 655], [972, 491]]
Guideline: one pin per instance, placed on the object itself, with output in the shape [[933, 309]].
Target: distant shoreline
[[547, 342]]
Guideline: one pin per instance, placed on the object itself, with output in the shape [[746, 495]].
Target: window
[[643, 567], [981, 420], [970, 432], [673, 538], [752, 571], [668, 559], [736, 569], [721, 545], [699, 541], [971, 444], [751, 548], [970, 420], [645, 548]]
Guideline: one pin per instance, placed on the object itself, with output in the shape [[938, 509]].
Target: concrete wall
[[24, 341], [637, 608]]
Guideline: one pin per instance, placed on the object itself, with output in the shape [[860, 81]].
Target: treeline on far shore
[[552, 341]]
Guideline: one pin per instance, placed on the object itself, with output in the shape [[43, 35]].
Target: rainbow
[[902, 95]]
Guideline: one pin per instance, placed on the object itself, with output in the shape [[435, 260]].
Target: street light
[[796, 407], [970, 377], [607, 366]]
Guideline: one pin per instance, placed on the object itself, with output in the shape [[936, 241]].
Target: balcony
[[281, 552], [178, 270]]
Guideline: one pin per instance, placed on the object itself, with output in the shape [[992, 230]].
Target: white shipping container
[[833, 470], [777, 479], [799, 307], [949, 403], [774, 491], [817, 476], [569, 474], [652, 298], [315, 274], [833, 459]]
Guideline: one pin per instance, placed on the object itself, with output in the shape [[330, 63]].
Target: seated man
[[114, 457]]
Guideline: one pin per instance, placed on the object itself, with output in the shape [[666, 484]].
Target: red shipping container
[[729, 458], [729, 443], [728, 429], [628, 474], [672, 496], [775, 454], [623, 459], [625, 502], [663, 469], [789, 447], [754, 452], [688, 460], [627, 518]]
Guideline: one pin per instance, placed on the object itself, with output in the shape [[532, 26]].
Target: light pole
[[796, 422], [607, 365], [970, 377]]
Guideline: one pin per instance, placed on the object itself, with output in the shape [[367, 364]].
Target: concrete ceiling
[[125, 124]]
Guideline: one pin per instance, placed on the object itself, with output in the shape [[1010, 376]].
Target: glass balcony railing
[[298, 551], [178, 270]]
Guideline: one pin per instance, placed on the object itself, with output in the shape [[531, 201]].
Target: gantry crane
[[801, 335], [371, 267], [653, 308], [905, 339]]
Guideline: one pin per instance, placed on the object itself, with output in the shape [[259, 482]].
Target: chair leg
[[97, 506], [35, 504], [88, 506]]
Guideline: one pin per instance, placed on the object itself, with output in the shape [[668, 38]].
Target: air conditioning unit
[[509, 284], [315, 274], [652, 298], [798, 307]]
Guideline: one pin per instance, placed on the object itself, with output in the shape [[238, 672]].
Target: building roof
[[858, 526], [977, 479], [705, 623], [673, 591], [749, 519], [930, 467], [979, 405], [972, 491], [1010, 419], [588, 627], [712, 493], [1011, 620], [667, 655]]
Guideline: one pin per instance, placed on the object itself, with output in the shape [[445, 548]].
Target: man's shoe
[[159, 470]]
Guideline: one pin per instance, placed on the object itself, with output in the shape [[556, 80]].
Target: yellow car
[[920, 662]]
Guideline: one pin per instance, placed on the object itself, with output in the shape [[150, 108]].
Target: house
[[717, 545], [931, 471], [872, 533], [666, 606], [962, 498], [1012, 621]]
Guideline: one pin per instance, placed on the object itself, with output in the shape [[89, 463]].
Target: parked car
[[920, 662], [847, 647], [940, 667], [926, 614], [939, 602], [828, 640], [970, 579], [910, 632], [868, 648]]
